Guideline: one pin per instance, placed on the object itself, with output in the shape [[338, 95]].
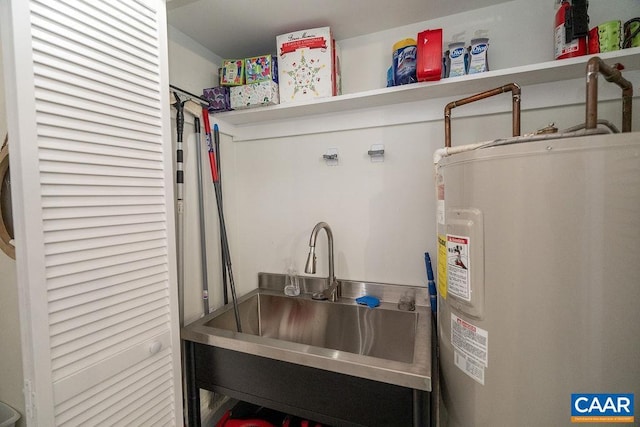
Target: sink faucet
[[332, 293]]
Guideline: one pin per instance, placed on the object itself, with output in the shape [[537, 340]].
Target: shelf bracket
[[376, 153], [331, 157]]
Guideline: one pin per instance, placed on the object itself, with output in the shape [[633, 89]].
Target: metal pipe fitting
[[596, 66], [515, 99]]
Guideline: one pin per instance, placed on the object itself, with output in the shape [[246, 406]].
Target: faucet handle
[[332, 293]]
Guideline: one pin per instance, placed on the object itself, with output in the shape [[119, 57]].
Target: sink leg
[[420, 408], [193, 393]]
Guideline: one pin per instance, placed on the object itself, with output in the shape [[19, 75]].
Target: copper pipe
[[515, 95], [611, 74]]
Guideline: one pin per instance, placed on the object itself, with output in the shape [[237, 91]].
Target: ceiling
[[244, 28]]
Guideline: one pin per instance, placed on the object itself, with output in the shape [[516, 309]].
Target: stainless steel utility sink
[[387, 334], [383, 343]]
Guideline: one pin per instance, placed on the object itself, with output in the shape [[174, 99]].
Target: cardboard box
[[307, 65], [261, 69], [232, 72], [254, 95], [218, 97]]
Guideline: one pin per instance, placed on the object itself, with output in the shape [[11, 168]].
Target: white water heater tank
[[538, 278]]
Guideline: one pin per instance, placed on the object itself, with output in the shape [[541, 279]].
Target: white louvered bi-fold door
[[96, 248]]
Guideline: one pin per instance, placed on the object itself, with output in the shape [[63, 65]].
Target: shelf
[[546, 72]]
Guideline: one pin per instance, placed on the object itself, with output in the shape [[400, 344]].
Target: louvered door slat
[[108, 387], [67, 29], [148, 395], [100, 161], [93, 201], [103, 266], [90, 147], [115, 270], [85, 88], [109, 314], [68, 290], [153, 403], [87, 190], [125, 145], [99, 385], [57, 91], [117, 287], [75, 235], [106, 24], [69, 364], [76, 344], [98, 243]]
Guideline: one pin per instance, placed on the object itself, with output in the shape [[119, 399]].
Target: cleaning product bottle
[[404, 62], [457, 60], [478, 52]]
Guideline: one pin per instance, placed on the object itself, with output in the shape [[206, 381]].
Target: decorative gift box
[[218, 98], [261, 69], [232, 72], [308, 66], [254, 95]]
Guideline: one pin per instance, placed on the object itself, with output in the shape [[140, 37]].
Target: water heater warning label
[[458, 267], [471, 347], [442, 266], [469, 366]]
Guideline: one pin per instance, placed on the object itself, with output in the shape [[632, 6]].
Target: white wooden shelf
[[545, 72]]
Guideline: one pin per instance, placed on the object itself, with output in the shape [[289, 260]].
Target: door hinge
[[29, 398]]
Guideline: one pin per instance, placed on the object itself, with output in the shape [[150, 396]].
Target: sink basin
[[387, 334], [382, 344]]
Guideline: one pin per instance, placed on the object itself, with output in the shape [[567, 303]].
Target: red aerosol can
[[567, 43]]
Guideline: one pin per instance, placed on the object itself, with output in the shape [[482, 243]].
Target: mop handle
[[216, 145], [212, 153], [433, 293]]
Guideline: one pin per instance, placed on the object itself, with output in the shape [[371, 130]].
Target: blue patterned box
[[261, 69], [218, 97]]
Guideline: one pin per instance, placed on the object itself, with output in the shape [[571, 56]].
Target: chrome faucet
[[332, 293]]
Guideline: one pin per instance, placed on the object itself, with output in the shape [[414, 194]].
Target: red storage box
[[429, 55]]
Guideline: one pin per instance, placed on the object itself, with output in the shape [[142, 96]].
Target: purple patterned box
[[218, 97]]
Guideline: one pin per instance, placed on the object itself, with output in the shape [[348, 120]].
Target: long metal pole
[[227, 254], [179, 106], [203, 240], [216, 147], [223, 229]]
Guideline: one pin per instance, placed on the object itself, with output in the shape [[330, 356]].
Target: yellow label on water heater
[[442, 266]]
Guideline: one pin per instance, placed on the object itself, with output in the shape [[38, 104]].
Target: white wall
[[192, 68], [275, 190], [520, 33], [382, 214], [10, 352]]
